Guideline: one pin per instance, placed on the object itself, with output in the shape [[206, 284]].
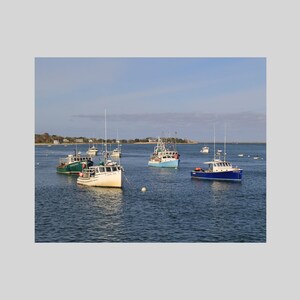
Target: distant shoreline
[[148, 143]]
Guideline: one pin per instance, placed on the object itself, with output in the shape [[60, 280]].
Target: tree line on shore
[[46, 138]]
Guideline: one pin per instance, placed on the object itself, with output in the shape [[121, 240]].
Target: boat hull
[[105, 179], [117, 155], [92, 152], [164, 164], [235, 175], [73, 168]]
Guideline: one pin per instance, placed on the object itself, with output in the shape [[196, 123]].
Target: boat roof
[[216, 161]]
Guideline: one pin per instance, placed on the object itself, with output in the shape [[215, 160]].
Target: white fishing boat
[[92, 151], [204, 150], [117, 153], [107, 174]]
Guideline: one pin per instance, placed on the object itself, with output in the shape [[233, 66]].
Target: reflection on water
[[107, 199], [221, 186], [162, 171], [104, 212]]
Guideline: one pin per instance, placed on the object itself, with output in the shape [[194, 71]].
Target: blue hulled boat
[[218, 169], [163, 157]]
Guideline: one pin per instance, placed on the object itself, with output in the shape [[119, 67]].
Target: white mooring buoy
[[143, 189]]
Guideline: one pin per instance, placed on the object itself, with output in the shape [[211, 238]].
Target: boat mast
[[105, 136], [214, 141], [225, 144]]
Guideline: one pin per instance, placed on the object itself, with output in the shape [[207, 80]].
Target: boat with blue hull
[[164, 163], [218, 169], [163, 157]]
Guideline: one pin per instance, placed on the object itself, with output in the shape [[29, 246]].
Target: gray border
[[133, 28]]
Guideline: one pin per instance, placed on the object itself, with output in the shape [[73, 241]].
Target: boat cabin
[[219, 166], [93, 170]]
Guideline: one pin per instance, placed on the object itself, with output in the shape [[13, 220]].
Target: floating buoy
[[143, 189]]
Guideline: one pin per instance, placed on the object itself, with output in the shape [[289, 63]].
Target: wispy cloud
[[177, 118]]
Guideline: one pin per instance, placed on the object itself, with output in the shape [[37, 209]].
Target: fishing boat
[[218, 169], [92, 151], [163, 157], [204, 150], [74, 164], [107, 174], [117, 151]]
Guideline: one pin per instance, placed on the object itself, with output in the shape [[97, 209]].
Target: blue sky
[[152, 97]]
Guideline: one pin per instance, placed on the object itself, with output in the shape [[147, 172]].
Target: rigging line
[[128, 180]]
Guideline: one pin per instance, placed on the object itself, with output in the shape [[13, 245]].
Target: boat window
[[108, 169], [101, 169], [114, 169]]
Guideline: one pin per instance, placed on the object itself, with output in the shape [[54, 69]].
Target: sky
[[151, 97]]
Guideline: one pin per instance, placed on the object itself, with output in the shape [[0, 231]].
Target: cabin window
[[114, 169], [101, 169], [108, 169]]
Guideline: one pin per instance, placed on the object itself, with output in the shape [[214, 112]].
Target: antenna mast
[[105, 134], [214, 141], [225, 144]]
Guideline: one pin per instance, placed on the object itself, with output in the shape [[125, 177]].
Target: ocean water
[[175, 208]]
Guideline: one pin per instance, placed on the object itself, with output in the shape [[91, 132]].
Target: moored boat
[[117, 153], [218, 169], [73, 164], [92, 151], [204, 150], [107, 174], [163, 157]]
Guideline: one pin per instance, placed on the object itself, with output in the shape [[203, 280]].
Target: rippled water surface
[[175, 208]]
